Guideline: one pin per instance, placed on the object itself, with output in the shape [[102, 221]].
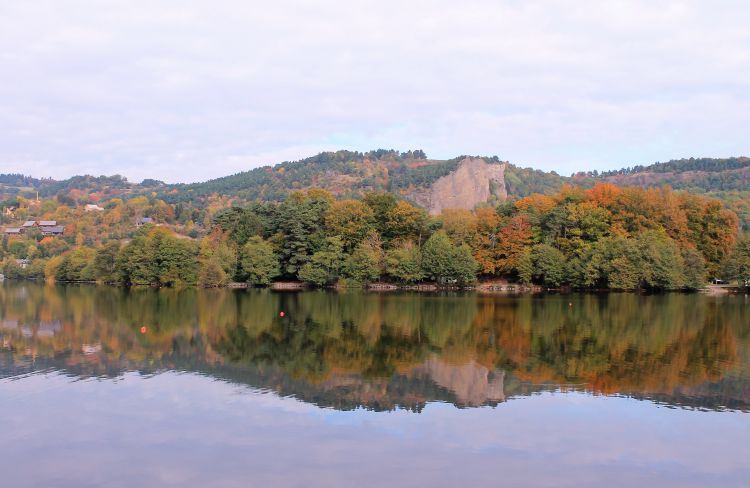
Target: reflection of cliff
[[384, 351], [472, 383]]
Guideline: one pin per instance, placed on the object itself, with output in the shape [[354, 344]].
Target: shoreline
[[487, 287]]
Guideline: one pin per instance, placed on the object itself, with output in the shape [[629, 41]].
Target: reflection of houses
[[9, 324], [89, 349], [48, 328]]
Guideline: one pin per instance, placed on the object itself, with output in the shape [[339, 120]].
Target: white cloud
[[183, 91]]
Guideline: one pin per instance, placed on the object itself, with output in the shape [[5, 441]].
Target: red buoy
[[143, 329], [281, 314]]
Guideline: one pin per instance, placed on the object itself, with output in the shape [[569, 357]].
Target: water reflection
[[388, 351]]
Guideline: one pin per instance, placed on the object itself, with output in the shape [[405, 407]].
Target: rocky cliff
[[475, 181]]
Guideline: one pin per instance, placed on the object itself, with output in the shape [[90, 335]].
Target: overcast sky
[[186, 90]]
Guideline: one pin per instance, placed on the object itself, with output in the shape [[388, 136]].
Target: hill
[[461, 182], [464, 181]]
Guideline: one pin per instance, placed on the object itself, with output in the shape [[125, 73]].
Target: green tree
[[382, 204], [404, 262], [465, 267], [548, 265], [694, 269], [211, 273], [446, 263], [324, 266], [525, 267], [217, 248], [300, 229], [175, 259], [612, 262], [662, 265], [240, 223], [105, 262], [736, 266], [158, 258], [260, 264], [367, 262]]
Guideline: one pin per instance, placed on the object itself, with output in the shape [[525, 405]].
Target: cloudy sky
[[187, 90]]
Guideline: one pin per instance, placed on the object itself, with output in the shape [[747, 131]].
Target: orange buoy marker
[[143, 329], [281, 314]]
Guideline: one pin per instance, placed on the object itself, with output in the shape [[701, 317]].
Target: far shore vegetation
[[603, 237]]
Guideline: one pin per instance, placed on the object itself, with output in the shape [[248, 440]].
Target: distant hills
[[434, 184]]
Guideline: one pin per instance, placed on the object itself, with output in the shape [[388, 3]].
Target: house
[[53, 230], [23, 263], [9, 211], [47, 223], [92, 207], [13, 231], [144, 221], [29, 223]]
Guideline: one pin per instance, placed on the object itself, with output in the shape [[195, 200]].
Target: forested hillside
[[351, 174]]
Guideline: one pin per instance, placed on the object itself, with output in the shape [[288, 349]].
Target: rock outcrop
[[473, 182]]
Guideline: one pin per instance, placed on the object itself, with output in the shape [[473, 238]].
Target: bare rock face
[[473, 182]]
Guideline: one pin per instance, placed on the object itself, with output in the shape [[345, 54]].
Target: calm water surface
[[107, 387]]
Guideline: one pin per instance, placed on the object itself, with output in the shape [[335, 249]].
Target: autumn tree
[[405, 222], [485, 240], [459, 224], [352, 220], [514, 240]]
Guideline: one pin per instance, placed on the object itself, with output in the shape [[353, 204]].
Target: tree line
[[601, 237]]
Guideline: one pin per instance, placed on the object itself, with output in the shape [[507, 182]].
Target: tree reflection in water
[[396, 350]]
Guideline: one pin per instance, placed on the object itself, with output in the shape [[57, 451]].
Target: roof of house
[[54, 229], [47, 223], [29, 223], [146, 220], [12, 230]]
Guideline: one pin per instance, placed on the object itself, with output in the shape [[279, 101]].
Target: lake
[[103, 386]]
